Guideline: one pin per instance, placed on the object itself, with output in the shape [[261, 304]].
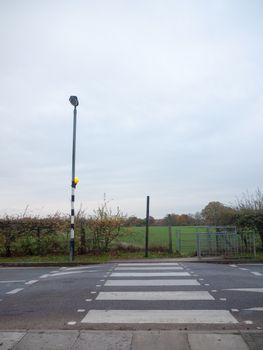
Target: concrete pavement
[[130, 340]]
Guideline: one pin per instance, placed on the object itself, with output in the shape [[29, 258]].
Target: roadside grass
[[106, 257], [87, 258]]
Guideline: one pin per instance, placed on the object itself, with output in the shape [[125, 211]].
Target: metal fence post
[[254, 244], [198, 245], [176, 241]]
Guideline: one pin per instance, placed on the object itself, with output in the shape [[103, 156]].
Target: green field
[[159, 237]]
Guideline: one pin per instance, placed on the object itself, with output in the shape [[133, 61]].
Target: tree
[[216, 213], [105, 226], [250, 212], [134, 221]]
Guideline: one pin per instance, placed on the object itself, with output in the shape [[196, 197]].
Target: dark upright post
[[170, 234], [147, 227]]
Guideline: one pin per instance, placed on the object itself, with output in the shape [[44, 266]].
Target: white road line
[[88, 299], [148, 268], [234, 310], [255, 309], [16, 281], [159, 316], [222, 299], [172, 282], [81, 310], [257, 273], [14, 291], [256, 290], [252, 264], [149, 264], [233, 265], [68, 273], [150, 274], [80, 268], [243, 268], [72, 323], [64, 273], [31, 282], [183, 295]]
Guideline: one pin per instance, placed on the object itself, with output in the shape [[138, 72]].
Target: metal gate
[[226, 244], [216, 241]]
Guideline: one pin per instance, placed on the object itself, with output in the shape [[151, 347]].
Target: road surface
[[133, 296]]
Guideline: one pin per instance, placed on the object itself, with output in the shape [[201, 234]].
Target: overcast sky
[[171, 103]]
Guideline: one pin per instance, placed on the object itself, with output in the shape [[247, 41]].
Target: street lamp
[[74, 180]]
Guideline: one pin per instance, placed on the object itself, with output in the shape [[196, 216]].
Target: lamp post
[[74, 101]]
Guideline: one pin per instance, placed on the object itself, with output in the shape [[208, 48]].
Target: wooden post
[[147, 227]]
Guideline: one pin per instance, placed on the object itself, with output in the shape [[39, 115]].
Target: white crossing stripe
[[183, 295], [159, 316], [150, 274], [172, 282], [149, 268], [149, 264], [14, 291]]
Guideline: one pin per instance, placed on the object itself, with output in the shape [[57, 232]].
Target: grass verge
[[106, 257], [86, 259]]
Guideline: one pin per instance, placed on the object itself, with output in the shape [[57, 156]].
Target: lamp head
[[74, 101]]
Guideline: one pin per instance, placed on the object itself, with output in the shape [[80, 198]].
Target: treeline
[[214, 214]]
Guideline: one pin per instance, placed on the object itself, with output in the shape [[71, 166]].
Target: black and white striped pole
[[74, 180]]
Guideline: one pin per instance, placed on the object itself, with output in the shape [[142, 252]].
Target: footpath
[[130, 340]]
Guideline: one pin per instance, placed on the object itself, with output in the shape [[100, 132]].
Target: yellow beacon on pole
[[76, 180]]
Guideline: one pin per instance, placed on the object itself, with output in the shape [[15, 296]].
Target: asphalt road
[[188, 296]]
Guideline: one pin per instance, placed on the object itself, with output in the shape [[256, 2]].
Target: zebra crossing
[[129, 296]]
